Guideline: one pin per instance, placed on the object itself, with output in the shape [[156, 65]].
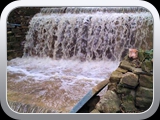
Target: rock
[[126, 65], [133, 83], [115, 77], [129, 97], [95, 111], [98, 106], [144, 97], [129, 107], [147, 66], [128, 102], [112, 86], [140, 71], [146, 81], [121, 70], [110, 103], [143, 103], [122, 90], [144, 92], [136, 63], [129, 80]]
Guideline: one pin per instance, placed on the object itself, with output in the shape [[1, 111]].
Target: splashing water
[[94, 36], [69, 50], [58, 83]]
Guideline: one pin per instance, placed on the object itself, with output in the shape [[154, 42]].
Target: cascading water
[[84, 34], [68, 50]]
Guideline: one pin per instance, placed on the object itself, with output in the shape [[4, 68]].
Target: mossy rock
[[122, 90], [147, 66], [143, 103], [146, 81], [144, 92]]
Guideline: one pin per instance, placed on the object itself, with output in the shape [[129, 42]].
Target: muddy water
[[54, 84]]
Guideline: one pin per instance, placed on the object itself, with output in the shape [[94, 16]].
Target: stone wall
[[131, 87], [18, 20]]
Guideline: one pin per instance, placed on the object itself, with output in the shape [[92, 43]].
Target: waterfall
[[69, 50], [89, 33]]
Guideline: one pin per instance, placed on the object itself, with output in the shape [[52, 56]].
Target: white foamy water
[[71, 79], [88, 36]]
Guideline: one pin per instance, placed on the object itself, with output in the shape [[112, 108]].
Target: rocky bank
[[131, 86]]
